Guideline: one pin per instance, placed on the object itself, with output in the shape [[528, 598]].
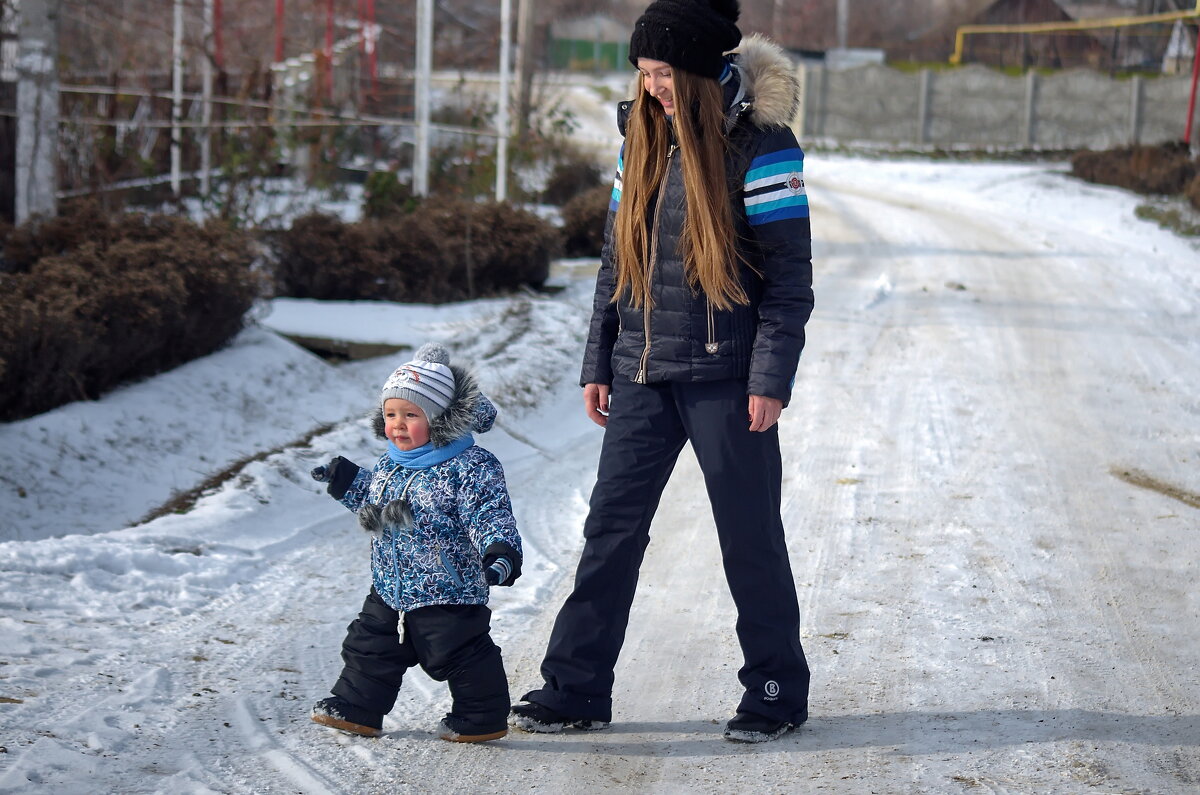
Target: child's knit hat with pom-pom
[[426, 381]]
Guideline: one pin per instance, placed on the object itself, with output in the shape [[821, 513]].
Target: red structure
[[327, 88], [278, 31], [366, 14], [218, 40]]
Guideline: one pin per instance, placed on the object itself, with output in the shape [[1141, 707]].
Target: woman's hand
[[764, 412], [595, 400]]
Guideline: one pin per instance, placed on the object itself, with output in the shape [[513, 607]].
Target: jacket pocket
[[449, 567]]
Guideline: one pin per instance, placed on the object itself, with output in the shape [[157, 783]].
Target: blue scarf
[[427, 455]]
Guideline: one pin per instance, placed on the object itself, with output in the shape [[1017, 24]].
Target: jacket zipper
[[662, 190], [711, 345], [397, 591]]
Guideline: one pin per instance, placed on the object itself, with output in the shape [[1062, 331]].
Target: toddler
[[443, 531]]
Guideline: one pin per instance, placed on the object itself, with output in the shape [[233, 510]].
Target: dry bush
[[583, 222], [444, 250], [1163, 169], [570, 179], [412, 253], [144, 295], [320, 256], [1192, 192], [492, 248], [77, 223]]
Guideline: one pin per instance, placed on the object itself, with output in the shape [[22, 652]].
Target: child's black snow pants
[[647, 428], [450, 642]]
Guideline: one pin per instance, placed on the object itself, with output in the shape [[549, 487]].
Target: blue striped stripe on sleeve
[[774, 187], [616, 191]]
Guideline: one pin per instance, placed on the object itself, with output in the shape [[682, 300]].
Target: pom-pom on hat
[[426, 381], [692, 35]]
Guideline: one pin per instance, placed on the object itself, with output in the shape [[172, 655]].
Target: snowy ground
[[991, 493]]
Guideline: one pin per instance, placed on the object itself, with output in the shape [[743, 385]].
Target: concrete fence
[[978, 107]]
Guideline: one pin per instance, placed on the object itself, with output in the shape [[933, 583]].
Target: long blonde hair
[[710, 255]]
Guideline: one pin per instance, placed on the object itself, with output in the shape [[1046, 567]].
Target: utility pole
[[177, 101], [502, 101], [37, 110], [1191, 110], [843, 23], [524, 65], [424, 75], [206, 76]]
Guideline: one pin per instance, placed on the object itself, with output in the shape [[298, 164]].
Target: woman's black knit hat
[[692, 35]]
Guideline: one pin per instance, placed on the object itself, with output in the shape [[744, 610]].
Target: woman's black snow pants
[[647, 428]]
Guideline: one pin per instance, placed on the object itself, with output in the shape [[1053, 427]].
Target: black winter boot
[[530, 717], [746, 727], [338, 713], [457, 730]]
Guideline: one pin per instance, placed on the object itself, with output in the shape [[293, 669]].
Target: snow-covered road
[[993, 504]]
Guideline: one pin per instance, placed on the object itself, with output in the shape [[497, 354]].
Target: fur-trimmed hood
[[469, 412], [771, 90]]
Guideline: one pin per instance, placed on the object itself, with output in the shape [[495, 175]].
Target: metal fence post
[[424, 74], [800, 124], [924, 100], [1135, 109], [822, 102], [1029, 118]]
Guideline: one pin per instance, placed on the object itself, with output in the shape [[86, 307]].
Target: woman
[[697, 327]]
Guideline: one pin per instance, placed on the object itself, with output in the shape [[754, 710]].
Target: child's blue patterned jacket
[[461, 514]]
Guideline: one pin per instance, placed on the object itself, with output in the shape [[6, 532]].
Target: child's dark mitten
[[338, 473], [501, 564], [498, 572]]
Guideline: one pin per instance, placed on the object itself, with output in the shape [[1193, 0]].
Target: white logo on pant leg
[[772, 690]]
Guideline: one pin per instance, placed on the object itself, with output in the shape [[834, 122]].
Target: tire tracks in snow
[[958, 437]]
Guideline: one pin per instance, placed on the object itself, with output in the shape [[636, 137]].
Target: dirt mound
[[1163, 169]]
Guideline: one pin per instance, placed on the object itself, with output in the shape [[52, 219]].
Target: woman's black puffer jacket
[[681, 337]]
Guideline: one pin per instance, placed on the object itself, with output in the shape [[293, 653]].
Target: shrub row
[[443, 250], [87, 303]]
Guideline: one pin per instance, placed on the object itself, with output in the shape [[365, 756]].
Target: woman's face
[[656, 79]]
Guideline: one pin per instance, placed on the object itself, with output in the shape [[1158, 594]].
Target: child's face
[[405, 424]]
